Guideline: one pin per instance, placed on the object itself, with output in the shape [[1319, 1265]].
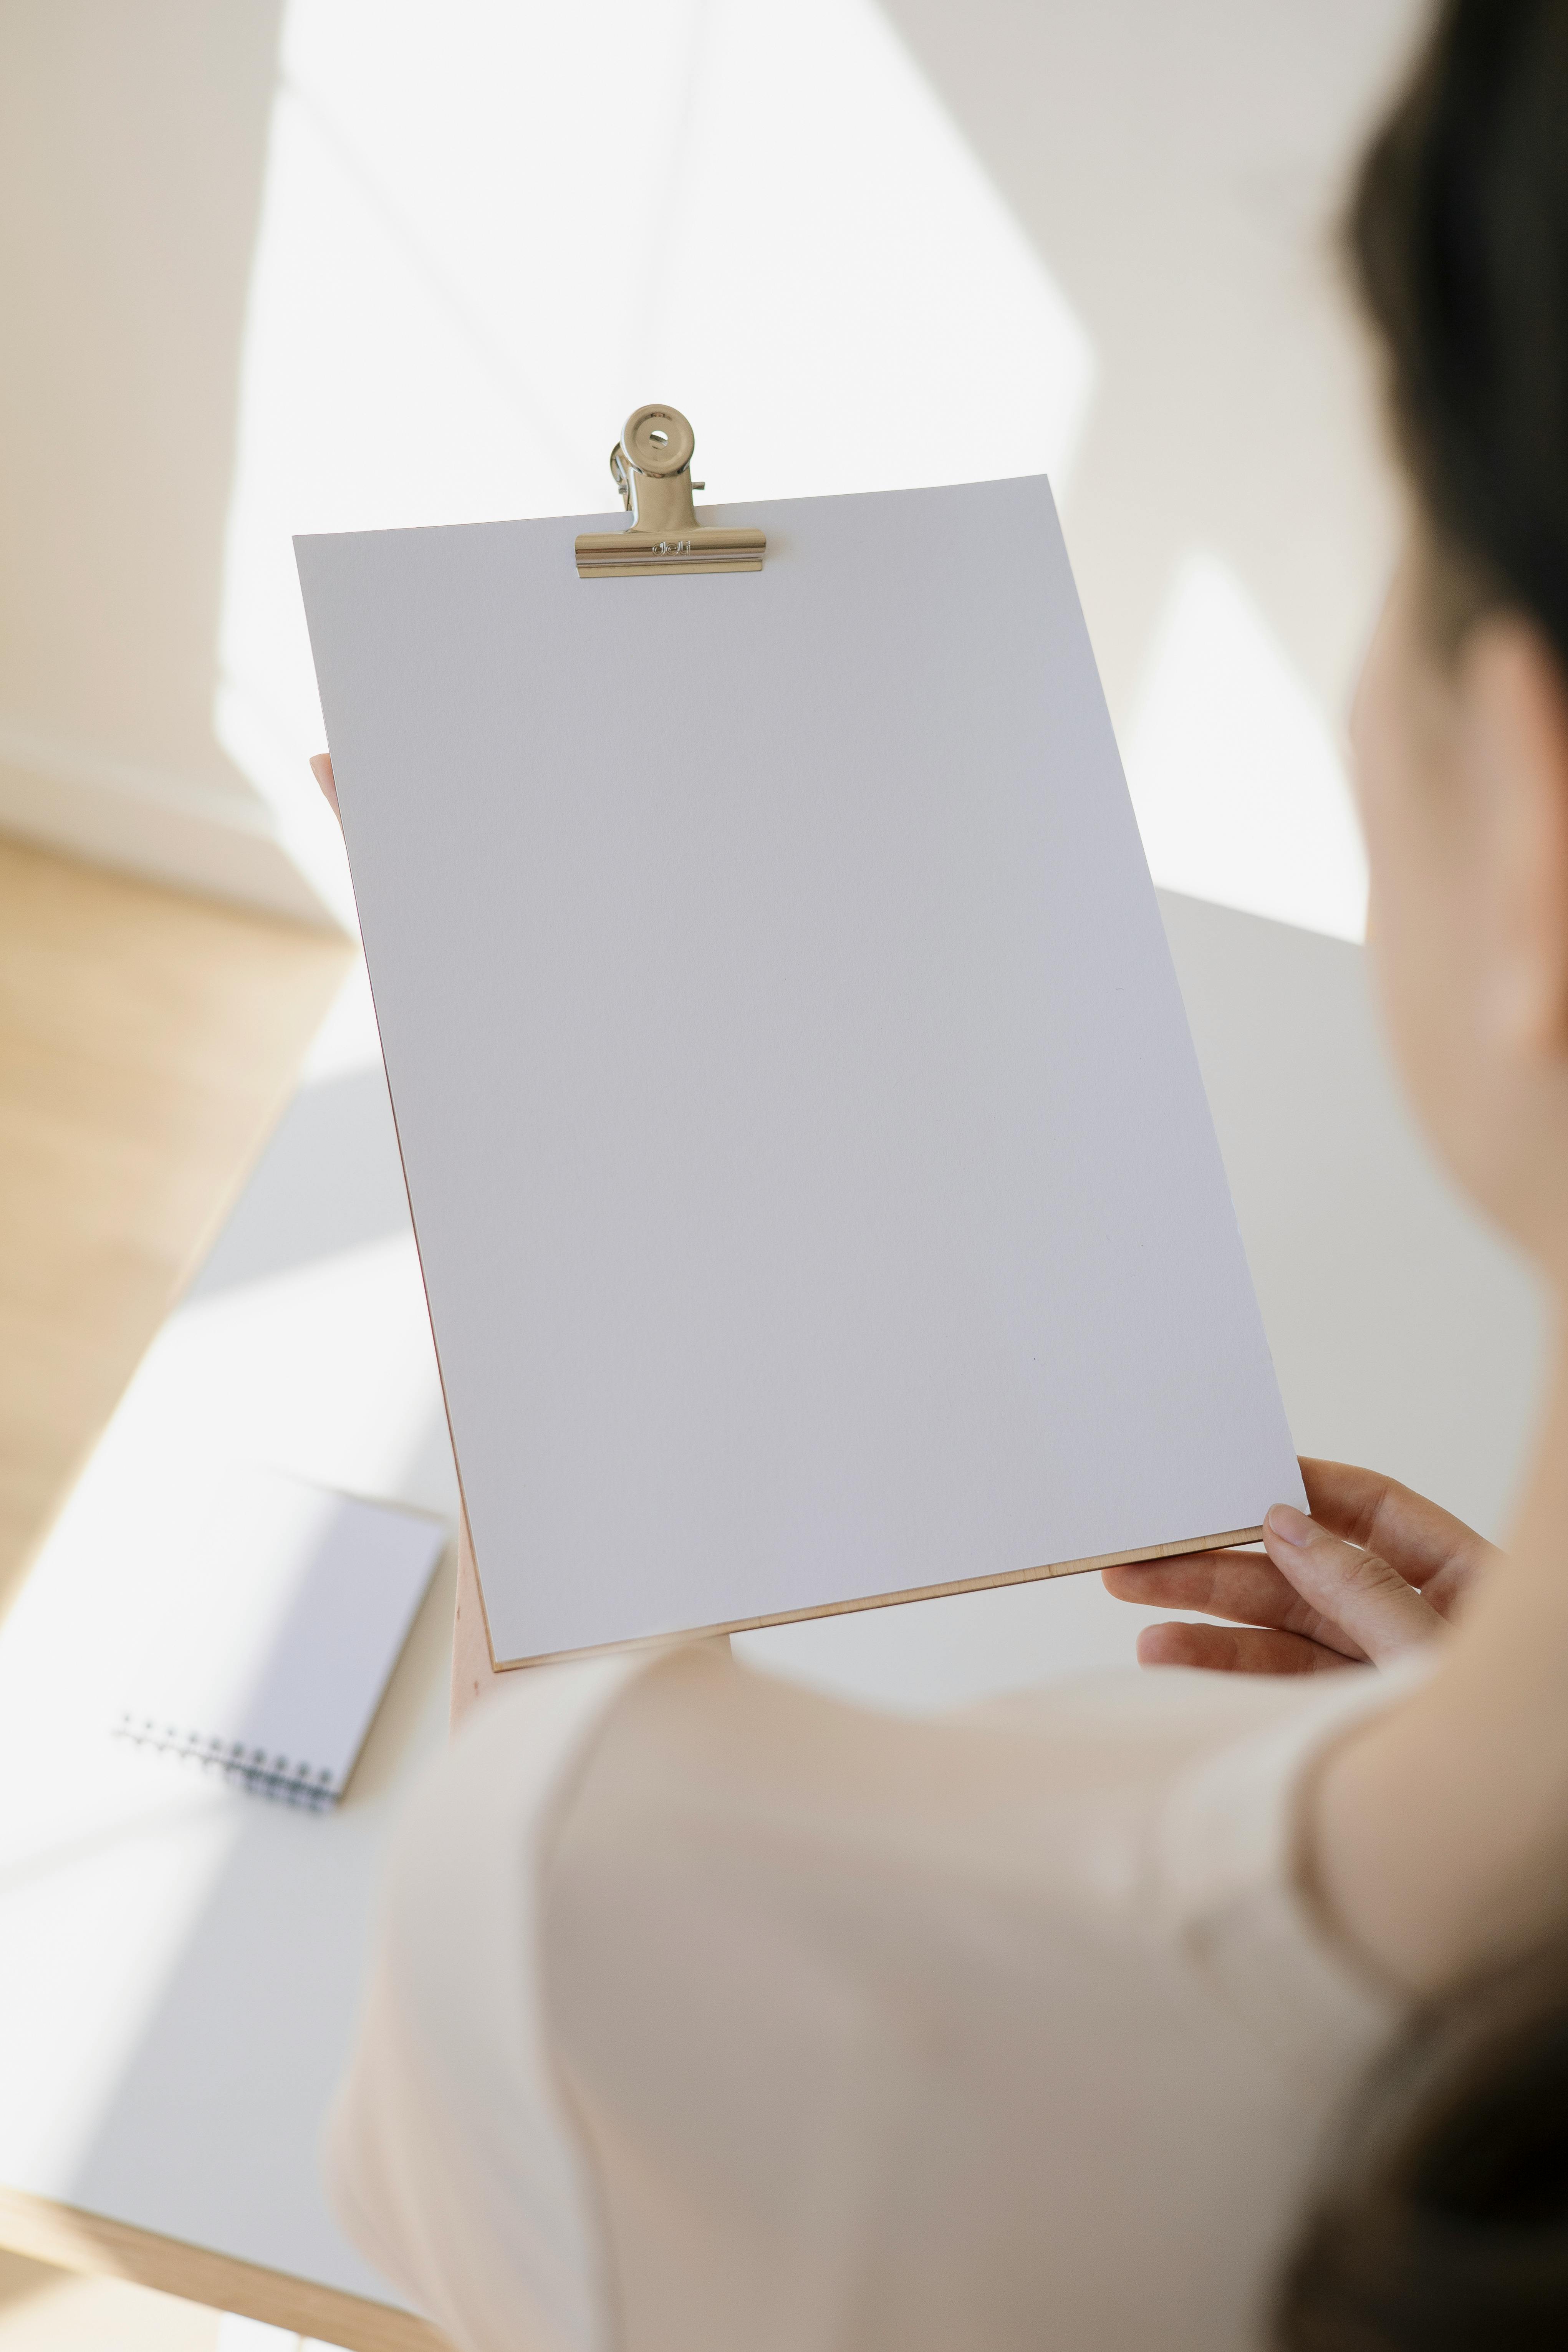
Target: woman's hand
[[322, 769], [1371, 1575]]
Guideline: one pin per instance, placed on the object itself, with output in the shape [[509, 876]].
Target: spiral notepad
[[280, 1632]]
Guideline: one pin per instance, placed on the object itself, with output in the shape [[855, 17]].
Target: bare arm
[[1436, 1834], [1439, 1830]]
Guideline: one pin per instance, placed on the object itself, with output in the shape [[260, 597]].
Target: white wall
[[1180, 169], [271, 267], [133, 146]]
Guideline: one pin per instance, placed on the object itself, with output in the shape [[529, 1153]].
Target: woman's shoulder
[[1190, 1771], [1005, 1977]]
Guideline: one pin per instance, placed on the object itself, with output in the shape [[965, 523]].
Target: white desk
[[179, 1963]]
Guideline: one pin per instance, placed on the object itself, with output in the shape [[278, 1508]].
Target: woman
[[711, 2012]]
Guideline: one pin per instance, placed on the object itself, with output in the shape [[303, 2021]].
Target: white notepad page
[[814, 1189], [277, 1633]]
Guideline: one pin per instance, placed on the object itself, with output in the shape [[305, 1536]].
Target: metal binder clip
[[651, 468]]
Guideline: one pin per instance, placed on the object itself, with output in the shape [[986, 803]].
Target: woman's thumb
[[1353, 1589]]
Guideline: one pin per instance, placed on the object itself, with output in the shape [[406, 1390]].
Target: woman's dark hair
[[1458, 235], [1444, 2228], [1444, 2223]]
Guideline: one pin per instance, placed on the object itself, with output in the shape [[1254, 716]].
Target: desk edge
[[73, 2239]]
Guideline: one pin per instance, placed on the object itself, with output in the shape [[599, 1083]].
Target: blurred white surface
[[180, 1960], [237, 2335]]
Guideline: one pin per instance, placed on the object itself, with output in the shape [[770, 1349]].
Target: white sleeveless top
[[711, 2015]]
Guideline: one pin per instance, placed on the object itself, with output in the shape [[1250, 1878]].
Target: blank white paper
[[813, 1184]]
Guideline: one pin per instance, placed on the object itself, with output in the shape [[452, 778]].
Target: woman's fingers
[[322, 769], [1368, 1600], [1316, 1600], [1236, 1650], [1242, 1586], [1429, 1546]]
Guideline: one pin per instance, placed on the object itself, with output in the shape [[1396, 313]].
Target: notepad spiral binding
[[290, 1780]]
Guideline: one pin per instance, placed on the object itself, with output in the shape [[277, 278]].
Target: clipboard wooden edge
[[1176, 1550]]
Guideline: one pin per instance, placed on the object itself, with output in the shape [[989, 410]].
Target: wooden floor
[[148, 1041]]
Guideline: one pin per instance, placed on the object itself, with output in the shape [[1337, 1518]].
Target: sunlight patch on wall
[[1238, 784], [487, 234]]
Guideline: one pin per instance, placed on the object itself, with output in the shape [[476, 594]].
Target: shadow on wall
[[1180, 171], [133, 151], [1230, 518], [932, 245], [782, 231], [929, 244]]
